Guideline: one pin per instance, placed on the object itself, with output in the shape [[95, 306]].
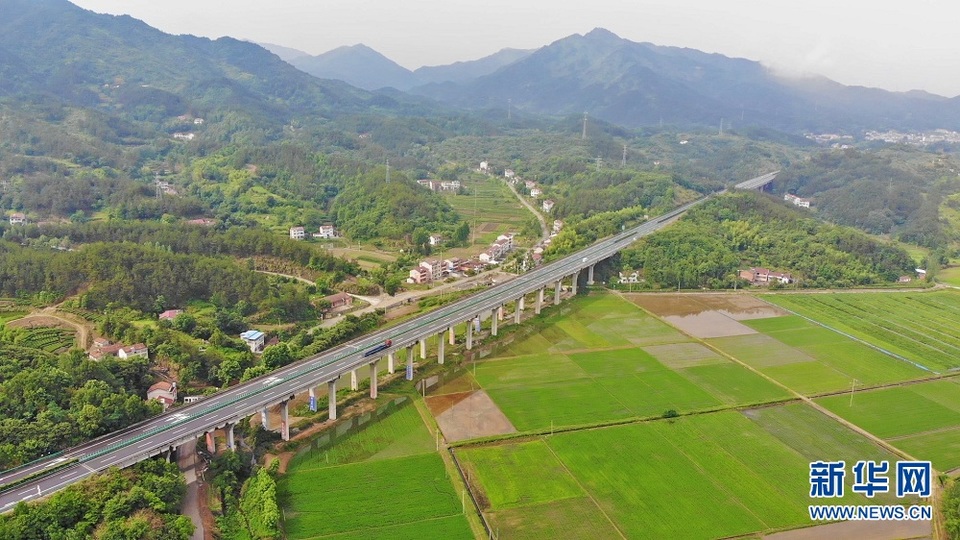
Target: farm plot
[[362, 498], [810, 359], [490, 209], [917, 326], [706, 476], [921, 419], [47, 339], [384, 481]]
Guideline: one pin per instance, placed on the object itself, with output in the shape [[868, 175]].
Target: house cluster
[[762, 276], [498, 250], [17, 218], [536, 254], [442, 185], [203, 222], [103, 348], [797, 201], [327, 230], [184, 136], [188, 118], [435, 270], [166, 188]]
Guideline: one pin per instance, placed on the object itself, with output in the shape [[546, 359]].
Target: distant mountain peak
[[602, 33]]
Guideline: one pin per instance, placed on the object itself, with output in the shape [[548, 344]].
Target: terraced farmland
[[48, 339], [920, 327]]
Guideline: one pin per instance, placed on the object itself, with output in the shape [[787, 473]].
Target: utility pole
[[583, 136], [599, 161], [388, 171], [623, 162], [721, 126], [509, 108]]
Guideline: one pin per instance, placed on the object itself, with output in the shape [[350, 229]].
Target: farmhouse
[[17, 218], [254, 339], [764, 275], [137, 349], [327, 230], [797, 201], [298, 233], [164, 392], [169, 314], [339, 300], [548, 205]]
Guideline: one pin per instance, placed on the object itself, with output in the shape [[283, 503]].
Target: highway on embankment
[[154, 436]]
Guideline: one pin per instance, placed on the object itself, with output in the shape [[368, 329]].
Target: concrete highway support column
[[265, 419], [453, 336], [332, 399], [556, 292], [590, 274], [518, 311], [493, 321], [521, 303], [373, 379], [231, 441], [313, 399], [576, 277], [423, 349], [409, 374], [539, 305], [354, 384], [500, 313], [390, 361], [211, 443], [440, 346], [285, 421], [469, 334]]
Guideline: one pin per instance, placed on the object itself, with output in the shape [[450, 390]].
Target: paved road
[[151, 437]]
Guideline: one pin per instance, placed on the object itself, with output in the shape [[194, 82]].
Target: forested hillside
[[708, 246]]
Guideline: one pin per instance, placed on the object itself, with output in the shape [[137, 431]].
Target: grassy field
[[550, 383], [921, 419], [918, 326], [737, 475], [386, 481], [7, 316]]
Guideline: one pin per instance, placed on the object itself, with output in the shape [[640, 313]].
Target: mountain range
[[55, 49]]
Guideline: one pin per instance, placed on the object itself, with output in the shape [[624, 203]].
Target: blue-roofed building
[[253, 339]]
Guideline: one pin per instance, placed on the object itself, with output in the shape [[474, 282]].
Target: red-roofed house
[[137, 349], [170, 314], [164, 392]]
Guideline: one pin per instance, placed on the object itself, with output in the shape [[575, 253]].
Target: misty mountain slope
[[638, 84], [470, 69], [359, 66]]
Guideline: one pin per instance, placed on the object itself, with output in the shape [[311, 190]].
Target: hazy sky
[[899, 45]]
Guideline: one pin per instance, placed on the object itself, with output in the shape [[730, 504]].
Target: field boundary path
[[82, 329], [543, 221]]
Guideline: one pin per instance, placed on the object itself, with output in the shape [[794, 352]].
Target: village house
[[797, 201], [557, 225], [419, 274], [436, 239], [206, 222], [508, 173], [548, 205], [452, 185], [298, 233], [436, 269], [536, 192], [339, 300], [100, 351], [254, 340], [17, 218], [429, 184], [169, 314], [921, 273], [184, 136], [904, 279], [530, 184], [327, 230], [164, 392], [484, 167], [137, 349], [764, 275]]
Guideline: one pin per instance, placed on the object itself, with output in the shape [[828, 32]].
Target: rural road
[[543, 222]]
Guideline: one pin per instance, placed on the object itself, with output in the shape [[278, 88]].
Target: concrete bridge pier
[[409, 374], [231, 441], [500, 313], [453, 336], [264, 418], [556, 292], [331, 399], [391, 358], [312, 392], [440, 346], [539, 305], [373, 379], [354, 384], [576, 278], [469, 334], [285, 420], [211, 442], [493, 321], [518, 311], [590, 274], [423, 349]]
